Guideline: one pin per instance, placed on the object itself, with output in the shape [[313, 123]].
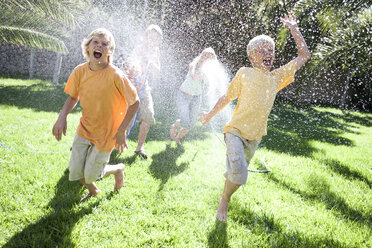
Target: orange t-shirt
[[256, 91], [104, 96]]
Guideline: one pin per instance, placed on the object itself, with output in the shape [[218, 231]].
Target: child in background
[[148, 55], [132, 70], [189, 96], [255, 89], [109, 101]]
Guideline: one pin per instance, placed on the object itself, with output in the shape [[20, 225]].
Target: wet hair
[[95, 33], [210, 51], [258, 40], [205, 51], [154, 27]]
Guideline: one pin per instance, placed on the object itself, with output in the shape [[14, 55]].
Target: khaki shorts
[[146, 107], [87, 161], [239, 153]]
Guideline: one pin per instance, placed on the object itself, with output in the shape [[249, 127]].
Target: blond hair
[[257, 41], [154, 27], [95, 33], [205, 51]]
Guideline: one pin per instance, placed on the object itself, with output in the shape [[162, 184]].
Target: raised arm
[[303, 53], [61, 124], [221, 103]]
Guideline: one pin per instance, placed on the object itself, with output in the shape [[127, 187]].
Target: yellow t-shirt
[[104, 96], [256, 91]]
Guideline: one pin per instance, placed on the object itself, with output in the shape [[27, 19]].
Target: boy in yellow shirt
[[109, 101], [256, 89]]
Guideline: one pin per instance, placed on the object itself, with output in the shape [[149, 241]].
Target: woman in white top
[[189, 96]]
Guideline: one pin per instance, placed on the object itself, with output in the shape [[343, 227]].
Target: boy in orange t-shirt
[[109, 101], [255, 89]]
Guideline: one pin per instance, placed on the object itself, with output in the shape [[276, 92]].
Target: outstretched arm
[[120, 136], [221, 103], [303, 53], [61, 124]]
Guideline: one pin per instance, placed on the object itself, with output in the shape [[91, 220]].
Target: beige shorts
[[87, 161], [146, 107], [239, 153]]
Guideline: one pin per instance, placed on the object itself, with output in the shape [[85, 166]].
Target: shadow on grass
[[54, 229], [319, 190], [343, 170], [164, 164], [217, 238], [39, 97], [117, 158], [271, 230], [298, 127]]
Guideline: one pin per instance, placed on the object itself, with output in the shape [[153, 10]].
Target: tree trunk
[[343, 99], [31, 69], [57, 68]]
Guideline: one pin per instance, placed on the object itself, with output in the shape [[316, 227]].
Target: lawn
[[318, 193]]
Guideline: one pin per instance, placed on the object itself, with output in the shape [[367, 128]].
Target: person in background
[[189, 95], [148, 55]]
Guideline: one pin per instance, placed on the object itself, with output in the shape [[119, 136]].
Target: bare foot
[[221, 214], [178, 141], [119, 178], [173, 132], [142, 154], [89, 195]]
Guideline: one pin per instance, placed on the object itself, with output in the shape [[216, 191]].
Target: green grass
[[317, 195]]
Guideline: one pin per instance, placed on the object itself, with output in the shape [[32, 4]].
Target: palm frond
[[30, 38], [29, 20], [43, 22], [60, 12], [347, 48]]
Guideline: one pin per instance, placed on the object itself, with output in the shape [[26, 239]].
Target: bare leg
[[144, 129], [228, 190], [173, 130], [118, 171], [181, 134], [91, 187]]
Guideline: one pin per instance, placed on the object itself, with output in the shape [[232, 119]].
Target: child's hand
[[290, 21], [204, 118], [59, 127], [121, 141]]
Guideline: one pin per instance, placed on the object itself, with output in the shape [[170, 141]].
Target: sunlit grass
[[318, 193]]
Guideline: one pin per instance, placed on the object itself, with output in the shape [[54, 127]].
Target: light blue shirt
[[192, 87]]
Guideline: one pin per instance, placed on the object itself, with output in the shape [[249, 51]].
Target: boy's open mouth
[[267, 62], [97, 54]]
